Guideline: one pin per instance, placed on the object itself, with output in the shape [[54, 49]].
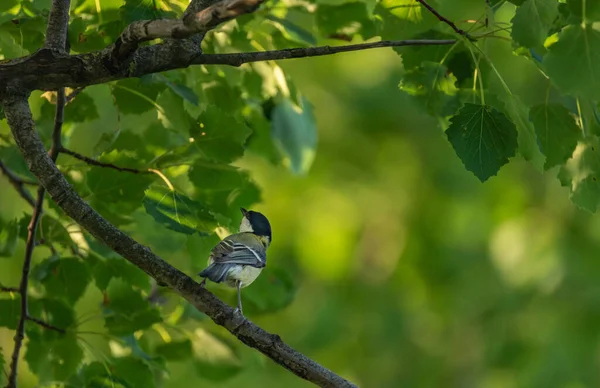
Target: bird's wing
[[246, 250]]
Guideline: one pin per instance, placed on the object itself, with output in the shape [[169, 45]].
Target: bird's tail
[[215, 272]]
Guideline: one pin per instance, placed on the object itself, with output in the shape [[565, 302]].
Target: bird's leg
[[203, 282], [239, 290]]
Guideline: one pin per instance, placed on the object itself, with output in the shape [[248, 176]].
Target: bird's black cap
[[260, 224]]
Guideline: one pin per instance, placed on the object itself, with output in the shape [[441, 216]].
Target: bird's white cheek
[[245, 226]]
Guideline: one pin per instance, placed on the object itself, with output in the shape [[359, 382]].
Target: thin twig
[[46, 325], [94, 162], [31, 243], [8, 289], [74, 94], [20, 332], [447, 21], [18, 183], [237, 59]]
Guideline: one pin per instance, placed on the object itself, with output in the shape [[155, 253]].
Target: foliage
[[208, 140]]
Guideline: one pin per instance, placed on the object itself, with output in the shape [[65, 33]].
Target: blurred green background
[[409, 271]]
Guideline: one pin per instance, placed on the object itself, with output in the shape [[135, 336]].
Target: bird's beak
[[244, 211]]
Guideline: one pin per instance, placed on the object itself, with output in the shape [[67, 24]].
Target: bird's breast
[[245, 273]]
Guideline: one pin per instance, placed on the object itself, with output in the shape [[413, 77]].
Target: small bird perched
[[238, 259]]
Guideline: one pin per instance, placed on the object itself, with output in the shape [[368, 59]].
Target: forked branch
[[18, 115]]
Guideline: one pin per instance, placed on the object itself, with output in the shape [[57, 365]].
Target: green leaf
[[582, 174], [483, 138], [177, 212], [105, 269], [199, 247], [580, 77], [216, 371], [82, 108], [9, 236], [172, 113], [175, 350], [220, 137], [134, 10], [134, 372], [127, 311], [404, 18], [10, 309], [65, 278], [434, 87], [180, 89], [5, 6], [295, 134], [532, 21], [117, 194], [592, 9], [518, 112], [345, 19], [53, 360], [292, 31], [557, 131], [272, 291], [133, 96], [27, 32]]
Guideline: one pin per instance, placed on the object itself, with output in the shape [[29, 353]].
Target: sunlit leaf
[[579, 77], [434, 87], [532, 22], [176, 211], [483, 138], [582, 174]]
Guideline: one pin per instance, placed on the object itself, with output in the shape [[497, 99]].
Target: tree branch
[[30, 244], [45, 325], [89, 69], [94, 162], [191, 24], [8, 289], [20, 332], [447, 21], [18, 183], [237, 59], [18, 115], [58, 23]]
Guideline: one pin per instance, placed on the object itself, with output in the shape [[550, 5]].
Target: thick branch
[[22, 126], [30, 245], [58, 22], [94, 162], [237, 59], [89, 69], [192, 23], [18, 183]]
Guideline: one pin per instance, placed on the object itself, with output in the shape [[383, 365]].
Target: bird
[[238, 259]]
